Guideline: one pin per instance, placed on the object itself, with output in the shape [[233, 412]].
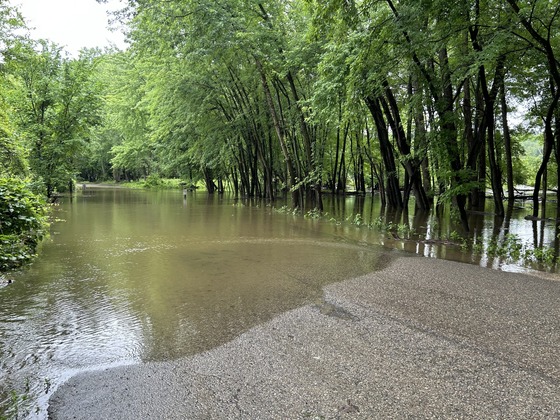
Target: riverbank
[[420, 338], [155, 183]]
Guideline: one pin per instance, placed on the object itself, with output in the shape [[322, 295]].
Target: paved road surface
[[421, 338]]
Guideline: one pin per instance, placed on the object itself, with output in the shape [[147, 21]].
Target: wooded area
[[413, 99]]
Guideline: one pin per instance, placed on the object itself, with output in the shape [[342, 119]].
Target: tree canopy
[[412, 98], [425, 101]]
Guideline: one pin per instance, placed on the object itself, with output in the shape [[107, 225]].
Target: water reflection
[[133, 276], [439, 234]]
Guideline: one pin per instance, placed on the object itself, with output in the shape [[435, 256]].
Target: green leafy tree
[[54, 104], [123, 138], [23, 213], [306, 93], [12, 153]]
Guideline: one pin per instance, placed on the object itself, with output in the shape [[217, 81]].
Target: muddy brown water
[[133, 276]]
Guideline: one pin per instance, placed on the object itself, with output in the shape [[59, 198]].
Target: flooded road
[[130, 276], [133, 276]]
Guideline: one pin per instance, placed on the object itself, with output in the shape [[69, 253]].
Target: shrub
[[23, 223], [153, 181]]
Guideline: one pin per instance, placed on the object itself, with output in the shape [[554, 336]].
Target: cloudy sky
[[73, 24]]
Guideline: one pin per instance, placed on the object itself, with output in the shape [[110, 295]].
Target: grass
[[508, 248]]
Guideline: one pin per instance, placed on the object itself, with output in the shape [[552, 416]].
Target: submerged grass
[[508, 248], [18, 404], [154, 182]]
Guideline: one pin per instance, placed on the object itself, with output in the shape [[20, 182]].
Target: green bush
[[153, 181], [23, 223]]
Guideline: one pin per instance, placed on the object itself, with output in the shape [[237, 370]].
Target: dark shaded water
[[439, 234], [133, 276]]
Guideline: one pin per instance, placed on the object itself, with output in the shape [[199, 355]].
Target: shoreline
[[420, 337]]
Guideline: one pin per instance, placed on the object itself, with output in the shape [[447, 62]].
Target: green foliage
[[356, 220], [191, 100], [53, 103], [14, 408], [313, 214], [532, 145], [17, 404], [23, 223], [12, 153], [271, 96], [153, 181]]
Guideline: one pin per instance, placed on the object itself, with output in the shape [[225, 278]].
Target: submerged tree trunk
[[444, 107], [393, 191], [410, 163], [281, 136], [209, 180], [507, 146], [338, 185], [547, 151], [488, 123]]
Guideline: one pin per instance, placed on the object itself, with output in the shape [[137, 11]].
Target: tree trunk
[[444, 107], [410, 163], [393, 191], [280, 133], [209, 180], [507, 146], [341, 176], [548, 146]]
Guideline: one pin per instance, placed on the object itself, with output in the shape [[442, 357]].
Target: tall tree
[[540, 22], [55, 105]]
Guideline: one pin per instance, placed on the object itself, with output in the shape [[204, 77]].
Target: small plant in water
[[283, 209], [14, 407], [477, 248], [313, 214], [404, 230], [455, 236], [513, 245], [540, 255], [379, 223], [494, 249], [47, 385], [358, 220]]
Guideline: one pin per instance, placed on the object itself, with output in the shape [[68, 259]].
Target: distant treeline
[[432, 100]]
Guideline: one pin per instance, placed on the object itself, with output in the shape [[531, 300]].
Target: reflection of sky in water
[[136, 276], [58, 330]]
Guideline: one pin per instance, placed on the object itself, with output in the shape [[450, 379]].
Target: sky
[[73, 24]]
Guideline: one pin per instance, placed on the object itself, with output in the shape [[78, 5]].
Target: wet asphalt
[[421, 338]]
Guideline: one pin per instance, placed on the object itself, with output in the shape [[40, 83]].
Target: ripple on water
[[107, 299]]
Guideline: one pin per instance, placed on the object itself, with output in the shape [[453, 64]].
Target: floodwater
[[131, 276]]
